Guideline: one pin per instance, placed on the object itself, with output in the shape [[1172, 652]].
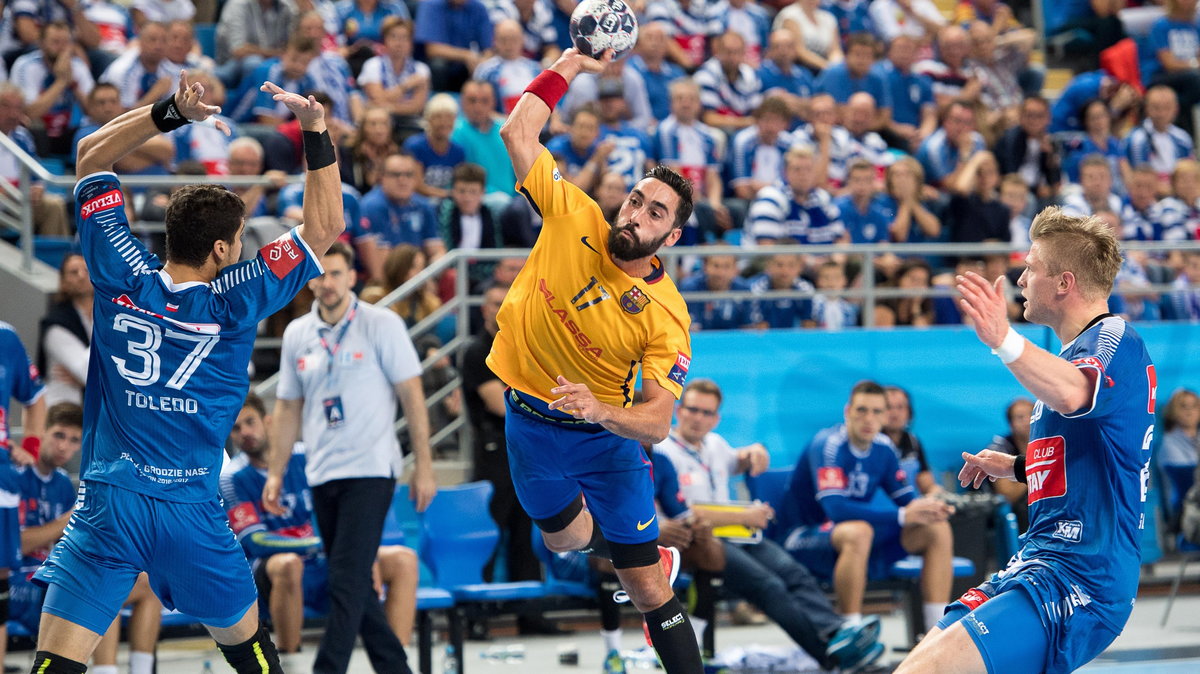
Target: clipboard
[[734, 533]]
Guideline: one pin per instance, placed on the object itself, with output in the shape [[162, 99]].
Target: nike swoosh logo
[[584, 241], [642, 527]]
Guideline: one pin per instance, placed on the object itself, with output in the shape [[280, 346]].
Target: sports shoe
[[669, 558], [614, 663], [853, 640], [864, 659]]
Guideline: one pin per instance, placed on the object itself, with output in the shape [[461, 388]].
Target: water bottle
[[450, 662]]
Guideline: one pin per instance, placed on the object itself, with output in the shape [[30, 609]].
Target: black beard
[[632, 248]]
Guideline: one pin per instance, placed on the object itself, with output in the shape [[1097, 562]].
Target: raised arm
[[324, 218], [100, 150], [524, 124]]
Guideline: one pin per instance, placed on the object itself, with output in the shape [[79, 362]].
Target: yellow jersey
[[572, 312]]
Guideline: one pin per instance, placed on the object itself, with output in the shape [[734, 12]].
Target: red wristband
[[549, 86], [32, 444]]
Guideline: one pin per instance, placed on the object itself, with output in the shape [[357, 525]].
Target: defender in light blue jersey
[[167, 377], [1066, 595]]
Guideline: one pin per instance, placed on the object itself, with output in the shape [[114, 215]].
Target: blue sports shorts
[[553, 459], [192, 558], [1034, 619]]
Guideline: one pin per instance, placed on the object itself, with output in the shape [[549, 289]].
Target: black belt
[[580, 424]]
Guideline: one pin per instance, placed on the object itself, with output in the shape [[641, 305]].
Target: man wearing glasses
[[393, 213], [763, 574]]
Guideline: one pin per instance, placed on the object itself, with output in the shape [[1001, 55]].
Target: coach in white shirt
[[342, 369]]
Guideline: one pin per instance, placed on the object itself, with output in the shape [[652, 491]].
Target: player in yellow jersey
[[592, 306]]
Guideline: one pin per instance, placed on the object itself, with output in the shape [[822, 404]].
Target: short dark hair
[[706, 386], [867, 387], [682, 187], [907, 398], [65, 414], [303, 44], [255, 403], [197, 217], [1008, 411], [342, 248], [467, 172], [773, 105], [862, 40], [101, 86]]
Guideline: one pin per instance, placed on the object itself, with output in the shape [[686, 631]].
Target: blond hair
[[1084, 246]]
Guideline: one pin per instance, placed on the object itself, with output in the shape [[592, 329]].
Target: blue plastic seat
[[52, 249], [770, 487], [910, 567], [405, 518], [459, 539], [206, 37], [556, 586]]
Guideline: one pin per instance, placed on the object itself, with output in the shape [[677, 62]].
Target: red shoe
[[669, 559]]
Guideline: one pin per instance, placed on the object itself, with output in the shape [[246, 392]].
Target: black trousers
[[350, 514]]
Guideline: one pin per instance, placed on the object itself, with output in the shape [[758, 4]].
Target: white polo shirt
[[704, 471], [371, 351]]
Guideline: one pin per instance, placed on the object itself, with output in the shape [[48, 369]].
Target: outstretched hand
[[585, 63], [986, 465], [987, 306], [308, 111], [190, 101]]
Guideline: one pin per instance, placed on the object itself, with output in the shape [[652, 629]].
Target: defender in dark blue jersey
[[166, 380], [1065, 596]]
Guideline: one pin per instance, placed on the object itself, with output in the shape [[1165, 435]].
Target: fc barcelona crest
[[634, 300]]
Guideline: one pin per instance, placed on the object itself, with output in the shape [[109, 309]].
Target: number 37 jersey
[[572, 312], [1087, 471], [167, 375]]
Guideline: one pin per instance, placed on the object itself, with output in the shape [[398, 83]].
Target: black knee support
[[256, 655], [562, 520], [633, 555]]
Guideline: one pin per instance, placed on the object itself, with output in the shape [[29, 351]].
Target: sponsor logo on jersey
[[110, 199], [33, 372], [172, 307], [831, 477], [679, 370], [634, 300], [973, 598], [1046, 468], [1152, 380], [1069, 530], [282, 255], [581, 339], [556, 175], [584, 241], [242, 516]]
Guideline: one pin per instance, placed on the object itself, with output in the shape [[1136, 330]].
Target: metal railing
[[16, 211]]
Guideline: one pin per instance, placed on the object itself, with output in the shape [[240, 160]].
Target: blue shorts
[[1033, 620], [191, 556], [552, 460], [812, 546]]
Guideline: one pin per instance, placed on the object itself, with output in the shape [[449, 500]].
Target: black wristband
[[166, 115], [1019, 469], [318, 150]]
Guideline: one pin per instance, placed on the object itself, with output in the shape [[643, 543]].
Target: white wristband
[[1011, 348], [900, 516]]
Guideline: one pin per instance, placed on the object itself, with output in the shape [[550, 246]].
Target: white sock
[[612, 640], [699, 625], [933, 613], [141, 662], [853, 617], [103, 669]]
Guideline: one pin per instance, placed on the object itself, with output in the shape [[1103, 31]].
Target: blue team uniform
[[658, 84], [565, 154], [783, 312], [1077, 570], [18, 379], [393, 224], [835, 482], [291, 532], [166, 380], [43, 500], [631, 149], [439, 168], [871, 226]]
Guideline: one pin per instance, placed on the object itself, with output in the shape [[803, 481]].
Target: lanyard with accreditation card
[[335, 414]]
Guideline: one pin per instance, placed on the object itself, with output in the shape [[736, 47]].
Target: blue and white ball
[[597, 25]]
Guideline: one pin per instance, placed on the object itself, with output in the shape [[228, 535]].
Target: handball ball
[[597, 25]]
